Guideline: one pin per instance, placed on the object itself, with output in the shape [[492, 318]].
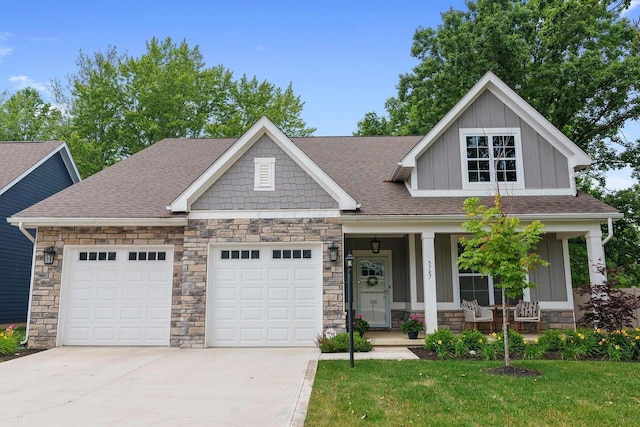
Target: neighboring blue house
[[29, 173]]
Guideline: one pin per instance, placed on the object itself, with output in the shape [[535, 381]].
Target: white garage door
[[264, 296], [116, 295]]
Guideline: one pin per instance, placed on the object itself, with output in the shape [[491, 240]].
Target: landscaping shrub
[[9, 341], [551, 340], [618, 345], [442, 341], [360, 325], [340, 344]]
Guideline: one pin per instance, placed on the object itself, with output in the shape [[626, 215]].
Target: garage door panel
[[278, 293], [264, 300], [252, 274], [304, 294], [278, 313], [304, 274], [275, 274], [105, 313], [251, 294], [114, 301], [251, 313]]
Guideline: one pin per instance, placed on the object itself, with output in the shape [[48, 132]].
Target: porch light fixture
[[333, 252], [49, 255], [375, 245]]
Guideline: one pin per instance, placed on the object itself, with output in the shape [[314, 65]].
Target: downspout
[[33, 262], [609, 232]]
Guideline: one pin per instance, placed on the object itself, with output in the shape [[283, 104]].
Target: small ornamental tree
[[500, 247], [609, 307]]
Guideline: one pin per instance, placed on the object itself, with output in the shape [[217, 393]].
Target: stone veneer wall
[[551, 319], [190, 332], [45, 304]]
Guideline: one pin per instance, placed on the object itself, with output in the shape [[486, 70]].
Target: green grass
[[461, 393]]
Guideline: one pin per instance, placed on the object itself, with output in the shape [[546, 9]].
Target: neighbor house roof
[[19, 158], [145, 184]]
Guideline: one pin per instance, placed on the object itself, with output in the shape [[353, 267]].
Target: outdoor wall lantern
[[49, 255], [375, 245], [333, 252]]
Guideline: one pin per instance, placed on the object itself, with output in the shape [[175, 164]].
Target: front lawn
[[462, 393]]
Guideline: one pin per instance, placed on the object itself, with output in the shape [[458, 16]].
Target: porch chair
[[526, 311], [475, 314]]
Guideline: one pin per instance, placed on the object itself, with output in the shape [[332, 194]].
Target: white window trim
[[490, 132], [260, 163], [526, 295]]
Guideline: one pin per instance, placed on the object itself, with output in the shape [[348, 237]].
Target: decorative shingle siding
[[294, 188], [45, 305], [201, 233]]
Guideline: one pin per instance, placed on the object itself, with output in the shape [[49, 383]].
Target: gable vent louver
[[264, 174]]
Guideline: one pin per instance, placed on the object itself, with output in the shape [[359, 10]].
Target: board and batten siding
[[551, 280], [399, 259], [440, 167], [15, 249], [294, 188], [444, 274]]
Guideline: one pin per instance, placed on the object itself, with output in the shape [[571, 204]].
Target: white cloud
[[4, 50], [634, 4], [620, 179], [22, 82]]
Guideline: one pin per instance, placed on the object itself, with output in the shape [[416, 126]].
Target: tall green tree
[[500, 247], [25, 116], [119, 104], [575, 61]]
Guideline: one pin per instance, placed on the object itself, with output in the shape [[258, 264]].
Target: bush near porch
[[618, 345]]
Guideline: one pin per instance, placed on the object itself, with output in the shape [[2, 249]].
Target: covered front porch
[[401, 270]]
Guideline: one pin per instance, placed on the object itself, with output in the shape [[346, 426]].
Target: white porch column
[[429, 281], [595, 253]]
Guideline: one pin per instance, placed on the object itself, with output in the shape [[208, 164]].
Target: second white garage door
[[264, 295], [116, 295]]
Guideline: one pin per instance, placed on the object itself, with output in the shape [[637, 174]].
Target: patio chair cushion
[[528, 309], [472, 305]]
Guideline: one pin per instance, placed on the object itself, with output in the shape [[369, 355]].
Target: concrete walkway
[[143, 386]]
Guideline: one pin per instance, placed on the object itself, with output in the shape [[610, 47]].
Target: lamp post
[[349, 260]]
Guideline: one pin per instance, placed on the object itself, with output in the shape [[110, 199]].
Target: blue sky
[[342, 57]]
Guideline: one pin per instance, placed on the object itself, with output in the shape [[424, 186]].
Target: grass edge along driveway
[[460, 392]]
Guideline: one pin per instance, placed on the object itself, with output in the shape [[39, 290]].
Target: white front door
[[372, 284]]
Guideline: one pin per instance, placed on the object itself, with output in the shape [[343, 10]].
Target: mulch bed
[[513, 371], [19, 353]]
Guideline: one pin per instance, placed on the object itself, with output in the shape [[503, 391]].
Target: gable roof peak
[[263, 126], [577, 158]]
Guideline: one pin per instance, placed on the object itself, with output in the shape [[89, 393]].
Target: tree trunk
[[505, 328]]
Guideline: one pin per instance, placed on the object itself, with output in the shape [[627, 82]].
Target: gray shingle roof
[[16, 157], [143, 185]]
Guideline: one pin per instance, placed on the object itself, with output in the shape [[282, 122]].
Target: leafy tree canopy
[[575, 61], [24, 116], [119, 104]]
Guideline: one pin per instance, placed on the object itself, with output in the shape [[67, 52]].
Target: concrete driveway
[[138, 386]]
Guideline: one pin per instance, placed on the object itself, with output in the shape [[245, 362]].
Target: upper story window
[[490, 156], [264, 174]]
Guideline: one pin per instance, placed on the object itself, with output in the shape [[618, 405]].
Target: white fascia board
[[63, 149], [489, 191], [264, 214], [67, 158], [96, 222], [410, 159], [220, 166], [539, 123]]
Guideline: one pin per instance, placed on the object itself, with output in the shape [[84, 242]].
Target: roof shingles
[[143, 185]]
